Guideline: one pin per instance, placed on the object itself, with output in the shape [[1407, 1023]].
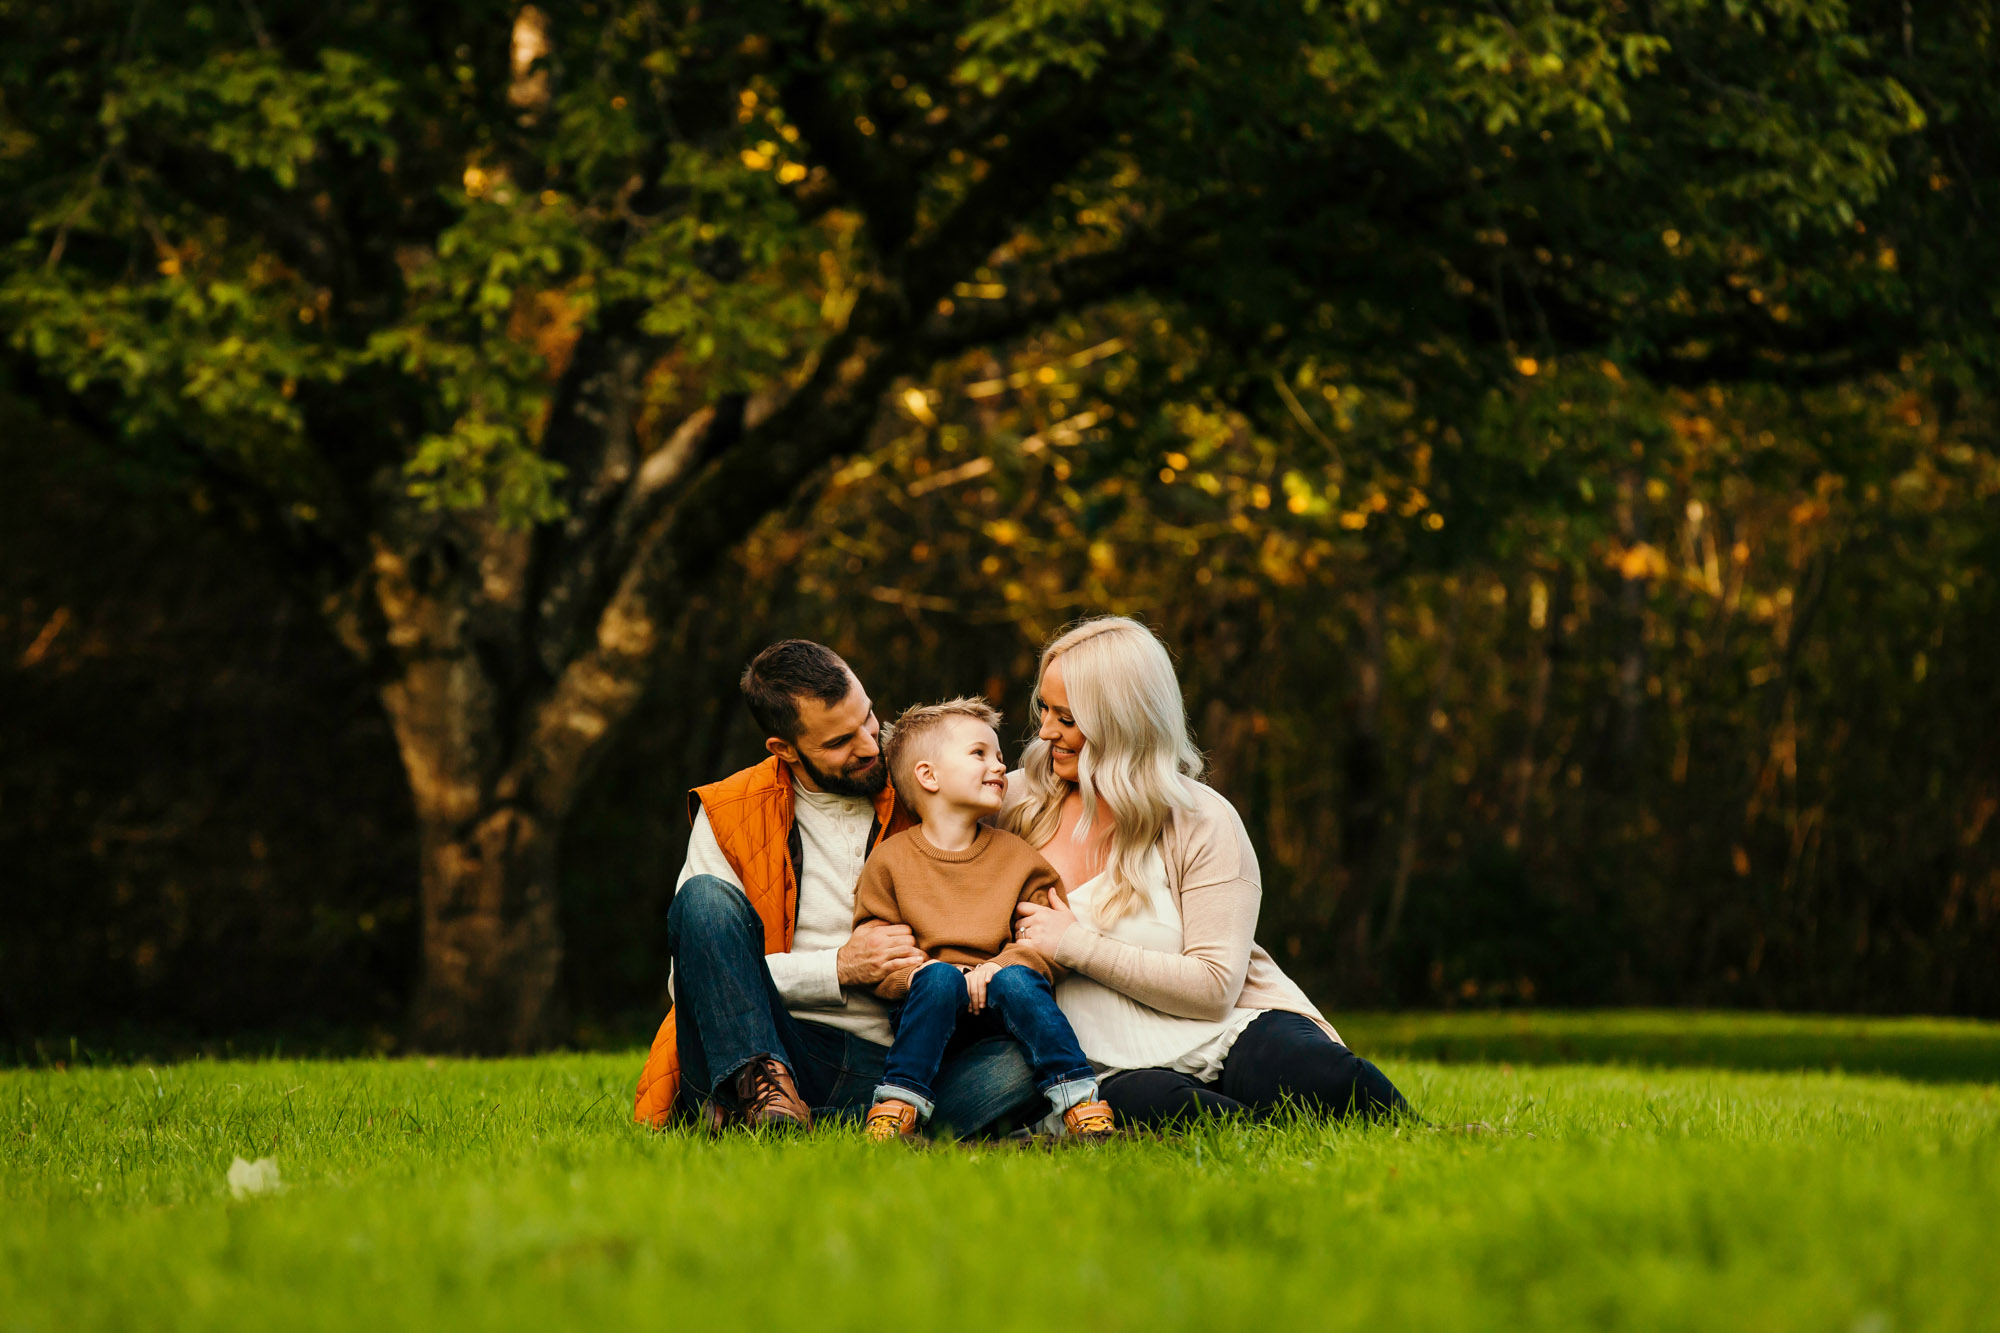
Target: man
[[773, 1013]]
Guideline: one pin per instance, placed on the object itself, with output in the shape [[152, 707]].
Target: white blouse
[[1118, 1032]]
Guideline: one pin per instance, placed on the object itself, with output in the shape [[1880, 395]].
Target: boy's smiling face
[[965, 768]]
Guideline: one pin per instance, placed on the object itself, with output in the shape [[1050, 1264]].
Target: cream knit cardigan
[[1212, 872]]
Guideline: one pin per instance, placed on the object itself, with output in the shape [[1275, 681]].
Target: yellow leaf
[[1640, 561]]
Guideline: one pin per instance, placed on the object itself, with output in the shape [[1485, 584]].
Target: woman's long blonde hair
[[1137, 758]]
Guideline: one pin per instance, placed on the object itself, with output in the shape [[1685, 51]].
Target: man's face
[[838, 748]]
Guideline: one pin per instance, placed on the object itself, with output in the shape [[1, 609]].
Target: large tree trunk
[[493, 944], [492, 939], [452, 594]]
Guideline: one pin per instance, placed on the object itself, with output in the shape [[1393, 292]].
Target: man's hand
[[873, 951], [975, 986]]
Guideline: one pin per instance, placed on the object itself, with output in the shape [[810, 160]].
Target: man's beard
[[840, 785]]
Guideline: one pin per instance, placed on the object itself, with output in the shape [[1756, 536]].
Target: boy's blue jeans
[[730, 1014], [933, 1021]]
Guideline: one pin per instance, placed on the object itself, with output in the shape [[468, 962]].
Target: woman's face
[[1059, 724]]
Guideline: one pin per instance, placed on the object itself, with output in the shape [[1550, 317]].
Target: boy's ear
[[785, 750], [925, 775]]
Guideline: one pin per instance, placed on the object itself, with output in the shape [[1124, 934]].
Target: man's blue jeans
[[731, 1014], [933, 1020]]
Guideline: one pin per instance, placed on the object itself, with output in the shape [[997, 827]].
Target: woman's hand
[[1041, 927]]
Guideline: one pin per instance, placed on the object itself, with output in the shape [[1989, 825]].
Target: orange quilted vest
[[751, 815]]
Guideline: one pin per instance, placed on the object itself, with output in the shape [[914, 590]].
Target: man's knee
[[706, 904], [987, 1082]]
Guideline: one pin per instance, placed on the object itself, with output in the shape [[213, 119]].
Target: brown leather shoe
[[717, 1118], [1090, 1121], [768, 1097], [891, 1119]]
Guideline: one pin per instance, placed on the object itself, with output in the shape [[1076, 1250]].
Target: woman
[[1168, 987]]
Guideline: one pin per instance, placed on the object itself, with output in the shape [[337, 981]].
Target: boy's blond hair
[[915, 735]]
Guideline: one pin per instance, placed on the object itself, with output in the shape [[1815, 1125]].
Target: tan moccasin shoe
[[891, 1119], [1090, 1121]]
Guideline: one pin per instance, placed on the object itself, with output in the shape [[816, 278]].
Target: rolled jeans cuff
[[885, 1091], [1075, 1092]]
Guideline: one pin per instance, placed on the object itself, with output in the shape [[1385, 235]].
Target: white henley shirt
[[833, 834]]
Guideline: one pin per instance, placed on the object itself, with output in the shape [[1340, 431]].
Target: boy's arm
[[897, 984], [875, 900], [1043, 887]]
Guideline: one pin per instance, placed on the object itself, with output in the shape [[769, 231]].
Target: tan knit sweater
[[959, 905], [1212, 871]]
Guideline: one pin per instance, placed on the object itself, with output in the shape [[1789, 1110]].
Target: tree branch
[[1034, 298], [884, 190], [1039, 154], [827, 415]]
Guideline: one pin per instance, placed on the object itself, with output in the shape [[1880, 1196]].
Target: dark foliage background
[[207, 837], [200, 814]]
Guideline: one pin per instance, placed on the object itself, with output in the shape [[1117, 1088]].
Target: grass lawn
[[1940, 1050], [514, 1194]]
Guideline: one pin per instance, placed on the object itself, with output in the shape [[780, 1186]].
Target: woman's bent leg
[[1155, 1098], [1284, 1056]]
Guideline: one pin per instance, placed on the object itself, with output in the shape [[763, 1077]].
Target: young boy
[[955, 883]]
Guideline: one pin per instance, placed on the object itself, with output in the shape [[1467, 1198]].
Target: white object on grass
[[258, 1177]]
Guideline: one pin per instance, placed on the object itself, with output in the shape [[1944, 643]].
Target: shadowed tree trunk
[[1619, 753], [1420, 769], [492, 944], [1544, 630], [1363, 771], [492, 948]]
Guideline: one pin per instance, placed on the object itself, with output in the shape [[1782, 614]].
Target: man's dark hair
[[786, 672]]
